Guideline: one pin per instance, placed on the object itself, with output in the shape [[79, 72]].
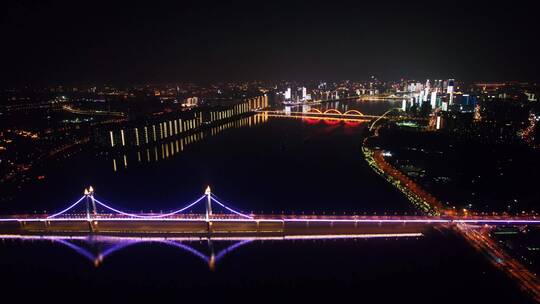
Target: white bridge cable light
[[229, 209], [67, 209], [150, 216]]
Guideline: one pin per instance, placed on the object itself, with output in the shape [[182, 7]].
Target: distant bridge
[[83, 216], [330, 114], [81, 111]]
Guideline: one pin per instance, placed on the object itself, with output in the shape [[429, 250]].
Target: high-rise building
[[444, 106], [191, 102], [450, 87], [433, 100], [426, 94], [288, 94], [450, 90]]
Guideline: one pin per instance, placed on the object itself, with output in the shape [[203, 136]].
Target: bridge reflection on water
[[210, 250]]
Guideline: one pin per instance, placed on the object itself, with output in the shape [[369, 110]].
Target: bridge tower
[[91, 190], [87, 199], [89, 193], [208, 193]]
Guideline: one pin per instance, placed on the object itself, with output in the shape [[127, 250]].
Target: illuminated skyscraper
[[288, 94], [433, 100], [450, 90], [450, 87]]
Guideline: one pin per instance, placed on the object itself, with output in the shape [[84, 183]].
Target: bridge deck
[[259, 224]]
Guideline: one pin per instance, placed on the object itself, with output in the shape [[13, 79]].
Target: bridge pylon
[[91, 190], [208, 193], [89, 194]]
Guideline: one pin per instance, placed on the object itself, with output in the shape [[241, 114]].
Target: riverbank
[[421, 199]]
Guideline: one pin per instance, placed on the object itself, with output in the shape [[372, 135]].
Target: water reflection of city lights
[[166, 150]]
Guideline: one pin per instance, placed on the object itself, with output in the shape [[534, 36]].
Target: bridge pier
[[93, 226]]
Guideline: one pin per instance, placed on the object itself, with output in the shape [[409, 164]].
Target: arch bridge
[[328, 114]]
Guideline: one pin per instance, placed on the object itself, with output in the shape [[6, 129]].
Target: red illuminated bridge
[[330, 114]]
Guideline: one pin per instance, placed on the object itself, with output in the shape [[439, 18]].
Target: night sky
[[101, 41]]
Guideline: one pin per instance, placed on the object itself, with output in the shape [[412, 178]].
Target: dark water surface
[[436, 268]]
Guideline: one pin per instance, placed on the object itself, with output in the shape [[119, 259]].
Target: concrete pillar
[[208, 193]]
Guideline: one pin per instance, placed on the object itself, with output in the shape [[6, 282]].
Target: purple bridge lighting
[[113, 219]]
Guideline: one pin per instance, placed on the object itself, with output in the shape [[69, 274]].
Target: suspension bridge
[[96, 230], [90, 215]]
